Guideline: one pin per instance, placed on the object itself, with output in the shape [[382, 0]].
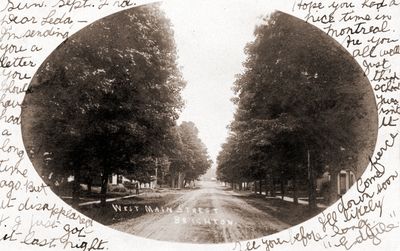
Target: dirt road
[[209, 214]]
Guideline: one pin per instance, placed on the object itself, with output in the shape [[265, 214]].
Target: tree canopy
[[107, 100], [300, 92]]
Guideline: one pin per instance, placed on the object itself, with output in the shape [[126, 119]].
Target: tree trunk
[[104, 183], [273, 192], [173, 176], [333, 186], [312, 195], [295, 197], [282, 189], [271, 184], [76, 187], [180, 180], [312, 202], [89, 184], [137, 187], [260, 186], [267, 186]]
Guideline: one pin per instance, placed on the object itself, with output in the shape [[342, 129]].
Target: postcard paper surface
[[203, 125]]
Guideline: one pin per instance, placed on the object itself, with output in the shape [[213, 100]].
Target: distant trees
[[106, 101], [301, 107], [190, 159]]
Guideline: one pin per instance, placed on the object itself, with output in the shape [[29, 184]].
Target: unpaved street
[[209, 214]]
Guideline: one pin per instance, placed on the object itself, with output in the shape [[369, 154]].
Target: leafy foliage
[[107, 99], [190, 159], [300, 92]]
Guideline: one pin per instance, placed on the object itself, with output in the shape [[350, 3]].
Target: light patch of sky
[[210, 38]]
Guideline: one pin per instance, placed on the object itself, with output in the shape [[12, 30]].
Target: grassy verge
[[284, 211]]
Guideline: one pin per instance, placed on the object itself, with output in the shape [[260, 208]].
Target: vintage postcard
[[199, 125]]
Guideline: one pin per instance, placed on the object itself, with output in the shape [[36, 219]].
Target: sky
[[210, 38]]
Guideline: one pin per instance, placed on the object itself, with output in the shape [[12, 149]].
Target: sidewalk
[[107, 200], [301, 201], [98, 201]]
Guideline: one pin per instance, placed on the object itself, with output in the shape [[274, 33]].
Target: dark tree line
[[107, 100], [303, 106], [190, 159]]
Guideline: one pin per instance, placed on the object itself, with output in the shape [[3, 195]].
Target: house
[[335, 183]]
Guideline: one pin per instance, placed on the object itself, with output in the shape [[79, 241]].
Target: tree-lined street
[[104, 126], [304, 108], [107, 103]]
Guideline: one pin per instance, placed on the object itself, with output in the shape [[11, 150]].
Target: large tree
[[106, 98]]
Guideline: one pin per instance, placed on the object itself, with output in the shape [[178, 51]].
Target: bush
[[117, 189]]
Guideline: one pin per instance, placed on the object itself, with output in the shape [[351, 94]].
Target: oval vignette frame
[[57, 54]]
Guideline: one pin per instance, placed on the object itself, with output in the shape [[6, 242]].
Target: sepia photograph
[[198, 122]]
